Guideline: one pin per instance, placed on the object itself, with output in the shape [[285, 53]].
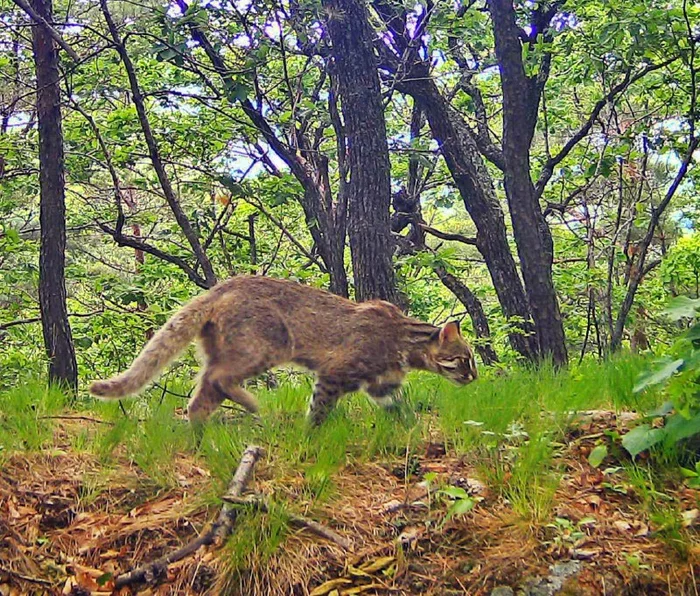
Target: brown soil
[[58, 535]]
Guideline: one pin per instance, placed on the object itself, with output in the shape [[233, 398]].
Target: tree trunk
[[369, 185], [476, 189], [52, 216], [532, 235]]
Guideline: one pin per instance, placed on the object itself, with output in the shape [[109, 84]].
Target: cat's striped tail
[[161, 350]]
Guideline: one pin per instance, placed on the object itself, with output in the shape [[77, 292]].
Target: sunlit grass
[[25, 412], [512, 423]]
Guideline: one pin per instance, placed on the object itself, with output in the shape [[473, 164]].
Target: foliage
[[228, 177], [679, 374]]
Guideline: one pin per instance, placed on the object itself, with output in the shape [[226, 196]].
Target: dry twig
[[218, 532], [295, 520]]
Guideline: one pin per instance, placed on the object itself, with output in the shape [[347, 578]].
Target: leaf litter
[[70, 525]]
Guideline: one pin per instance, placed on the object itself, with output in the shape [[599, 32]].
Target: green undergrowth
[[510, 423]]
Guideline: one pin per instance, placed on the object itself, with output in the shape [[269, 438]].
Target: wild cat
[[249, 324]]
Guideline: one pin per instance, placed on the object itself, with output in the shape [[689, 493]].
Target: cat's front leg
[[326, 394], [385, 389]]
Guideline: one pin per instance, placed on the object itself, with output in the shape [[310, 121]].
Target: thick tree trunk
[[52, 215], [532, 235], [369, 185], [476, 189]]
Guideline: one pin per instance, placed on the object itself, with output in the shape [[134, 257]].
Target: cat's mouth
[[463, 379]]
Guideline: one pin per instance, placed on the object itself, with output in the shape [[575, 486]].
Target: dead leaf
[[329, 586], [690, 517], [409, 536], [585, 553], [378, 565], [356, 572], [391, 506], [622, 525]]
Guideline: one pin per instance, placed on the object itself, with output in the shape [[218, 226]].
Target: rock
[[554, 582]]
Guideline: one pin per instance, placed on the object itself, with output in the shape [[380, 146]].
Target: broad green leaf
[[682, 307], [678, 427], [664, 372], [461, 506], [693, 333], [641, 438], [687, 473], [596, 457], [455, 492], [663, 410]]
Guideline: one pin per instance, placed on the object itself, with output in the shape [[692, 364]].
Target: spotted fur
[[249, 324]]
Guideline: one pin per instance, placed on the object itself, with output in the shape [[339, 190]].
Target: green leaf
[[104, 578], [693, 333], [596, 457], [663, 410], [682, 307], [455, 492], [678, 427], [460, 507], [661, 374], [641, 438], [689, 473]]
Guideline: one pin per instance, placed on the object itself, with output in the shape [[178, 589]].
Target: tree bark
[[476, 189], [476, 314], [532, 235], [52, 214], [369, 185]]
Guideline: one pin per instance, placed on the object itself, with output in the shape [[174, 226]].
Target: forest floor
[[432, 504]]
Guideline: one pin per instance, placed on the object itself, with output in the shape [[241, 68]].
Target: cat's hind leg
[[217, 384]]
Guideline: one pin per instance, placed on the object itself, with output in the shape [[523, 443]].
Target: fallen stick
[[295, 520], [218, 531]]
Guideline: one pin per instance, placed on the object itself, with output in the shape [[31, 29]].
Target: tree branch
[[219, 530], [154, 152], [123, 240], [627, 81], [447, 235], [37, 18]]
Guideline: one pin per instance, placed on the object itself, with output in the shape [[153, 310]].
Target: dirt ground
[[69, 526]]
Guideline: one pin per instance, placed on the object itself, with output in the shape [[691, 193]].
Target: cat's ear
[[450, 332]]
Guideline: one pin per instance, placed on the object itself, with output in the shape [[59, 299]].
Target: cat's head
[[451, 356]]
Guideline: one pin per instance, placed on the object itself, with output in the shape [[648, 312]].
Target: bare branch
[[626, 82], [37, 18], [219, 530], [448, 236]]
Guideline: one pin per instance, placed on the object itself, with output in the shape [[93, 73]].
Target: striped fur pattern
[[249, 324]]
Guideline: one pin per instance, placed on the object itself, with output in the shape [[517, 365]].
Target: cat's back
[[299, 301], [281, 293]]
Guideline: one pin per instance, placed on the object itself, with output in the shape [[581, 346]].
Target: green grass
[[511, 422], [24, 416]]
